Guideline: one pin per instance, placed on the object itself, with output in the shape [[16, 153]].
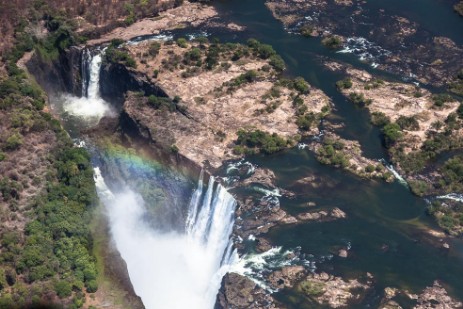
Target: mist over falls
[[168, 268], [175, 237]]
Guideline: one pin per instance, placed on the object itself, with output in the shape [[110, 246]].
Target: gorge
[[235, 174]]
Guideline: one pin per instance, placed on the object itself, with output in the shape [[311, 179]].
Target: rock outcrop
[[239, 292]]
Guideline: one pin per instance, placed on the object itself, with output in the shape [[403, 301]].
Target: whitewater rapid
[[172, 270]]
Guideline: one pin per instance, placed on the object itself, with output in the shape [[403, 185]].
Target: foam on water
[[365, 50], [396, 174], [452, 196], [171, 270], [90, 107]]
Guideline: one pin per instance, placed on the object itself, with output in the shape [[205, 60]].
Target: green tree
[[391, 133]]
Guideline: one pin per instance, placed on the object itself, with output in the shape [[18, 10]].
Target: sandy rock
[[332, 291], [286, 277], [343, 253], [436, 297]]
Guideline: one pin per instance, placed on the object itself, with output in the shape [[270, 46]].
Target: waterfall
[[396, 174], [451, 196], [84, 72], [90, 107], [168, 269]]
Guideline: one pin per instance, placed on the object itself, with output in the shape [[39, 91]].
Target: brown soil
[[192, 14], [215, 112], [400, 99]]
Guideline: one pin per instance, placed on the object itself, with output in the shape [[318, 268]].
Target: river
[[385, 231]]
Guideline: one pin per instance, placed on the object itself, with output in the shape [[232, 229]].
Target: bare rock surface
[[214, 109], [239, 292], [332, 291]]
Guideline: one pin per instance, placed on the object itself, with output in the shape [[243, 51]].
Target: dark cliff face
[[116, 80], [59, 75]]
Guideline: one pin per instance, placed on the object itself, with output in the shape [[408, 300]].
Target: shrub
[[116, 42], [306, 30], [332, 42], [13, 142], [174, 149], [301, 85], [160, 102], [313, 289], [305, 122], [441, 98], [369, 168], [119, 56], [92, 286], [391, 133], [379, 119], [346, 83], [182, 42], [408, 123], [253, 43], [262, 141], [265, 51], [193, 55], [277, 63], [154, 48], [359, 99], [63, 289]]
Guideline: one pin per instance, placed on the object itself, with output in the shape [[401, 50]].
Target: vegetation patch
[[333, 42], [255, 141]]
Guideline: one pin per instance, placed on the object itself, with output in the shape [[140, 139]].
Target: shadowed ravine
[[176, 252]]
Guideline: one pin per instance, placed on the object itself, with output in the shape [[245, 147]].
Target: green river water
[[380, 215]]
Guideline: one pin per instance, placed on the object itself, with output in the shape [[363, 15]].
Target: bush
[[160, 102], [13, 142], [391, 133], [440, 99], [63, 289], [369, 168], [301, 85], [92, 286], [174, 149], [154, 48], [408, 123], [346, 83], [248, 77], [379, 119], [306, 30], [265, 142], [265, 51], [182, 42], [332, 42], [116, 42], [119, 56], [331, 153], [359, 99], [277, 63], [305, 122]]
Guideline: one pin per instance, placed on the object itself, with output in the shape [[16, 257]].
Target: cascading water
[[90, 107], [168, 269]]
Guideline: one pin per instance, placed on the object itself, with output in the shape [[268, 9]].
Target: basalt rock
[[58, 75], [239, 292], [116, 80]]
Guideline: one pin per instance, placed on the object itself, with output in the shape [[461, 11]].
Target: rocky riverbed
[[399, 45]]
